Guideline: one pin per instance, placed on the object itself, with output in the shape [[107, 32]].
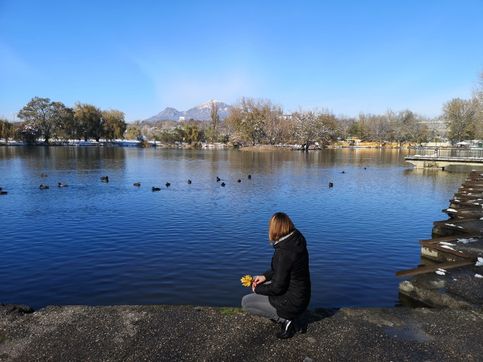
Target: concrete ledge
[[186, 333]]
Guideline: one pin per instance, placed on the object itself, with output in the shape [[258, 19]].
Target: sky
[[142, 56]]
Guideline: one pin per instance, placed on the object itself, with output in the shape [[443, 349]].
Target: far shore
[[219, 146]]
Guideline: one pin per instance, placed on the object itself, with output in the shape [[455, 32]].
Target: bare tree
[[461, 118], [311, 127]]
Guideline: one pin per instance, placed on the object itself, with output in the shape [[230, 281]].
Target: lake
[[112, 243]]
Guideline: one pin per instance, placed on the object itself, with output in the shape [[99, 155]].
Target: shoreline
[[191, 333], [208, 146]]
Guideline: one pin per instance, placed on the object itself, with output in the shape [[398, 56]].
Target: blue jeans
[[260, 305]]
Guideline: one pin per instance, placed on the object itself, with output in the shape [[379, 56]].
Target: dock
[[443, 158], [451, 269]]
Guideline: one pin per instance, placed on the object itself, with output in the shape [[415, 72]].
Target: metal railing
[[450, 152]]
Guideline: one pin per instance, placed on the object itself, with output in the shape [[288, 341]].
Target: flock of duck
[[168, 184], [105, 179]]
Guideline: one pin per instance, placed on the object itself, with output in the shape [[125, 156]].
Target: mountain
[[168, 114], [199, 113]]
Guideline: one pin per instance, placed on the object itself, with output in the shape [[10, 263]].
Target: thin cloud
[[181, 89], [13, 64]]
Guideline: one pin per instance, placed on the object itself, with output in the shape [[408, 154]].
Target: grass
[[229, 310]]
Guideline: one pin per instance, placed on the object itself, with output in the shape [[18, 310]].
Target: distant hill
[[198, 113]]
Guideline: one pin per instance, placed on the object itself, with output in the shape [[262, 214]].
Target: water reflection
[[98, 243]]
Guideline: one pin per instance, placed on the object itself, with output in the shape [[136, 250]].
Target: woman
[[282, 293]]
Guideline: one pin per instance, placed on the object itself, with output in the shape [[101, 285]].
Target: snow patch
[[479, 276], [451, 210], [440, 272], [447, 247], [466, 241], [479, 262]]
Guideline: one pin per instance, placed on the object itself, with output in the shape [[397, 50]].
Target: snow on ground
[[466, 241], [441, 271]]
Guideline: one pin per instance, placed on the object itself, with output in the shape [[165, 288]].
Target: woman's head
[[279, 226]]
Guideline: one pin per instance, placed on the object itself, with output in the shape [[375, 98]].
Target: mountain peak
[[201, 112]]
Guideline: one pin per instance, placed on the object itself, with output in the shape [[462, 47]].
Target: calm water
[[96, 243]]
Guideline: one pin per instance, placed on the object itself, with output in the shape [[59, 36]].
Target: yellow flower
[[247, 280]]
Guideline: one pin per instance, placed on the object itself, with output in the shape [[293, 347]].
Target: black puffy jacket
[[289, 290]]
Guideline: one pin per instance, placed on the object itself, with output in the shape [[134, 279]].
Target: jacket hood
[[295, 242]]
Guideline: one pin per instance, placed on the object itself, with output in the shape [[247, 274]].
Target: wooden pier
[[451, 269], [443, 158]]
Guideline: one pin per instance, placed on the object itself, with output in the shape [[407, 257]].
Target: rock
[[15, 309]]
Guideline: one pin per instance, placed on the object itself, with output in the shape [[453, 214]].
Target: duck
[[104, 178], [154, 189], [137, 184], [222, 184], [43, 187], [239, 181], [218, 179], [168, 184], [331, 184], [3, 192], [365, 168], [249, 177], [43, 175], [189, 182], [342, 171], [60, 184]]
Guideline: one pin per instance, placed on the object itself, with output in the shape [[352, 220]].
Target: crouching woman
[[282, 293]]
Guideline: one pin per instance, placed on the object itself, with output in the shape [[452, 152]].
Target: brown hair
[[279, 226]]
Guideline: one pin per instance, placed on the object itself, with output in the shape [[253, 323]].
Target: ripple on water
[[112, 243]]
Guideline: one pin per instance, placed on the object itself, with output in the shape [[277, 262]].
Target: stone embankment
[[452, 271], [185, 333]]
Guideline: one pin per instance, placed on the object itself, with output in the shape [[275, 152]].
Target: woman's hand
[[259, 279]]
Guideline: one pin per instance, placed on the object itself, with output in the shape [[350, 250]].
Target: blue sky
[[142, 56]]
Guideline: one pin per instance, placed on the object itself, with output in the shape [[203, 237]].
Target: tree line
[[46, 120], [255, 121], [250, 122]]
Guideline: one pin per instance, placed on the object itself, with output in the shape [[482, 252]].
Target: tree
[[460, 117], [49, 119], [88, 120], [277, 127], [63, 121], [114, 124], [247, 120], [133, 132], [27, 133], [311, 127], [191, 133], [6, 129], [406, 126], [215, 119], [373, 127], [38, 114], [479, 115], [359, 130]]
